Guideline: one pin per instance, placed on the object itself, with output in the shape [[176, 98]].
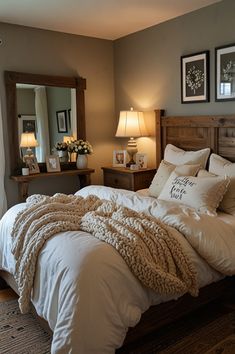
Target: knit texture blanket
[[154, 255]]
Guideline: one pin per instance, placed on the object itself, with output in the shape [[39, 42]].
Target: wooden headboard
[[196, 132]]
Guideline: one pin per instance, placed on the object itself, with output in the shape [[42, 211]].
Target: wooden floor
[[7, 294]]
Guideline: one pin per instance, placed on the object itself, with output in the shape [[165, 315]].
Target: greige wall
[[147, 63], [146, 70], [46, 52], [25, 101]]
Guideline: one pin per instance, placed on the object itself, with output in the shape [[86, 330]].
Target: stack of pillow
[[175, 180]]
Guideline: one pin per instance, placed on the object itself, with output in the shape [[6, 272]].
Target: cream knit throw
[[154, 256]]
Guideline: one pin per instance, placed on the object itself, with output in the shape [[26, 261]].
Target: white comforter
[[86, 292]]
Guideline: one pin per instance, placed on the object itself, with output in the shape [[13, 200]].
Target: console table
[[24, 181]]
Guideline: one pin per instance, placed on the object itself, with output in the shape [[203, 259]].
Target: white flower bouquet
[[81, 147], [61, 146]]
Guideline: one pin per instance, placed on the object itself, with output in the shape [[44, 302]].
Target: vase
[[63, 155], [81, 161]]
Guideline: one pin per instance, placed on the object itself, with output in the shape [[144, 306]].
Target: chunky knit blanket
[[154, 255]]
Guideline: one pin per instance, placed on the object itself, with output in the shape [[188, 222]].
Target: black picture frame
[[225, 73], [195, 78], [27, 124], [62, 125]]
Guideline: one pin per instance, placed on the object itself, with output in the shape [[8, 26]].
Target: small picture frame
[[141, 160], [119, 158], [195, 77], [32, 164], [53, 163], [225, 73], [61, 117]]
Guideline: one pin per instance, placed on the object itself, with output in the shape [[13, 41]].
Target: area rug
[[210, 330], [21, 334]]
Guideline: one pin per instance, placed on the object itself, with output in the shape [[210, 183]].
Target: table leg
[[85, 180], [23, 190]]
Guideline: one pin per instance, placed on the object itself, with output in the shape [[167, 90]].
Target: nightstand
[[123, 177]]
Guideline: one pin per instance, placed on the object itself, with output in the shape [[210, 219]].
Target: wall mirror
[[52, 107]]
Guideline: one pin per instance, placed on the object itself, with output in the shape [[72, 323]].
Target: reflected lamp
[[131, 125], [28, 141], [68, 139]]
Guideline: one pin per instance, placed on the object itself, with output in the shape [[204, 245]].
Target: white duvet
[[86, 292]]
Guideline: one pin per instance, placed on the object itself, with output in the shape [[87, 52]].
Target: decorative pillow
[[163, 173], [179, 156], [205, 173], [223, 167], [203, 194]]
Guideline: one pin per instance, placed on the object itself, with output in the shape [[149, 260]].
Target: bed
[[98, 297]]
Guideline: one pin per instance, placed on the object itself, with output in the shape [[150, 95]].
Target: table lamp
[[28, 141], [68, 139], [131, 124]]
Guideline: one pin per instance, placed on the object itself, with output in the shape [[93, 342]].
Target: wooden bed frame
[[189, 133]]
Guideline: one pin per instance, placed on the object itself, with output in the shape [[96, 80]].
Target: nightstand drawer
[[143, 180], [117, 180], [125, 178]]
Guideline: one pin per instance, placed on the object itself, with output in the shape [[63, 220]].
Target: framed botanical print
[[225, 73], [27, 124], [62, 121], [195, 77]]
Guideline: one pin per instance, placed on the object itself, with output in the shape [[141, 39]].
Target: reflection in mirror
[[48, 112], [52, 107]]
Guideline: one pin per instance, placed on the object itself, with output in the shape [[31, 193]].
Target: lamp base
[[131, 162], [132, 150]]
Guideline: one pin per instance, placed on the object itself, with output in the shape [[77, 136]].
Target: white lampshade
[[131, 124], [28, 140]]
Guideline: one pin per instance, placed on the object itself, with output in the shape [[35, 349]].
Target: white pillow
[[222, 167], [179, 156], [163, 173], [202, 194], [205, 173]]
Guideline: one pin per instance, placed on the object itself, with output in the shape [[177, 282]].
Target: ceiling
[[107, 19]]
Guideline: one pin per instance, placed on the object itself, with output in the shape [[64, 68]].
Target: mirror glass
[[52, 107], [48, 112]]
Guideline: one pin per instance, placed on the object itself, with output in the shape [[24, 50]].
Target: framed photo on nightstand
[[119, 158], [141, 160]]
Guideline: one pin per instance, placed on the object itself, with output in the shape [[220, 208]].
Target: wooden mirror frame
[[11, 79]]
